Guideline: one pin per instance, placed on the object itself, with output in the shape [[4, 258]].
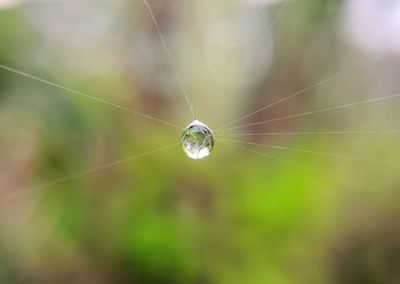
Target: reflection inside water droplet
[[197, 140]]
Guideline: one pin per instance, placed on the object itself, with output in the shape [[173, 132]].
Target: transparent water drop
[[197, 140]]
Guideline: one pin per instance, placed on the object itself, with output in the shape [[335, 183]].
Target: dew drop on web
[[197, 140]]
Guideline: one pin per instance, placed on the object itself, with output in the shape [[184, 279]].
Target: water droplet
[[197, 140]]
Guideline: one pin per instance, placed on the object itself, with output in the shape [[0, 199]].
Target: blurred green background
[[247, 214]]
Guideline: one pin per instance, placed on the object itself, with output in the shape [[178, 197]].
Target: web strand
[[141, 50], [316, 112], [97, 99], [171, 61], [265, 155], [85, 173], [357, 132], [324, 81], [310, 152]]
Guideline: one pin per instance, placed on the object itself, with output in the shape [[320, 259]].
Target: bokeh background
[[247, 214]]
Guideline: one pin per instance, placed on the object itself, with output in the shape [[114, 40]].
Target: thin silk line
[[333, 155], [268, 156], [166, 49], [85, 173], [289, 162], [317, 111], [172, 155], [158, 77], [361, 132], [97, 99], [324, 81]]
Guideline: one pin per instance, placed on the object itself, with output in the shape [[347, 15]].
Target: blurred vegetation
[[256, 215]]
